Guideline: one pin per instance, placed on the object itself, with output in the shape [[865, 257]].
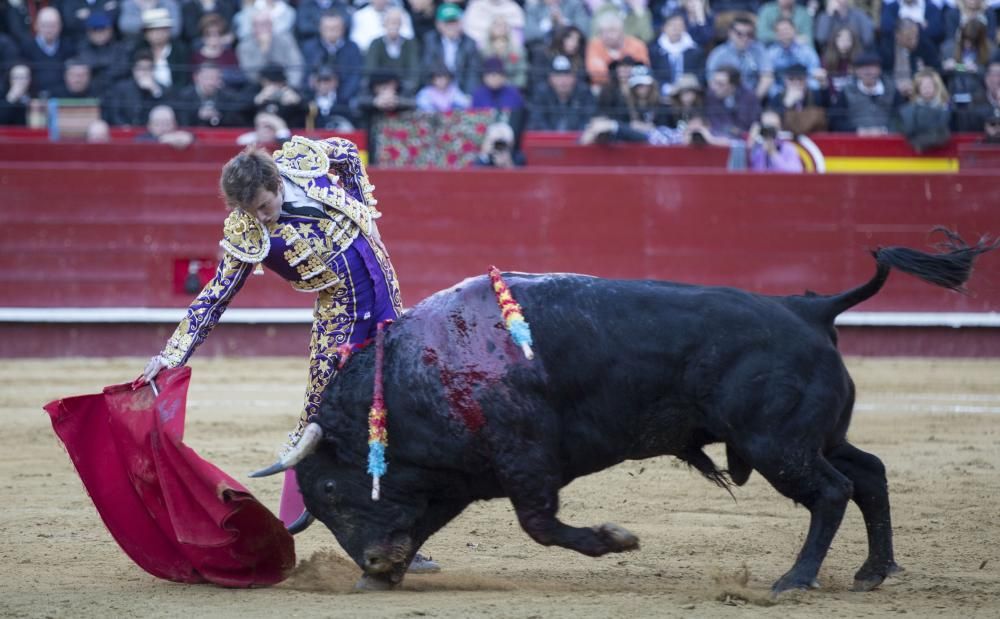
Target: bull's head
[[381, 536]]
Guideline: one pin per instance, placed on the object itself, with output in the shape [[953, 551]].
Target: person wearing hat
[[171, 56], [326, 109], [132, 21], [686, 100], [450, 46], [279, 97], [496, 92], [802, 107], [563, 102], [674, 53], [108, 59], [869, 102], [76, 14]]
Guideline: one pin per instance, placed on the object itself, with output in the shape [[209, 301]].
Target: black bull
[[623, 370]]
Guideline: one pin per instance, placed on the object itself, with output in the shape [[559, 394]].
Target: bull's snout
[[388, 557], [376, 562]]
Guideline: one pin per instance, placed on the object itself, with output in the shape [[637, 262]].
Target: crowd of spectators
[[662, 71]]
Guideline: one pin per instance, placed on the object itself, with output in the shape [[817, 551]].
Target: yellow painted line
[[940, 165], [807, 161]]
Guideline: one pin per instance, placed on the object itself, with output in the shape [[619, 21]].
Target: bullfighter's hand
[[153, 368]]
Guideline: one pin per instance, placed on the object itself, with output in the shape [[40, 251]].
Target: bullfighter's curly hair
[[246, 174]]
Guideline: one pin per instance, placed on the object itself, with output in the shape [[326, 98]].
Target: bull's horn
[[311, 437], [301, 523]]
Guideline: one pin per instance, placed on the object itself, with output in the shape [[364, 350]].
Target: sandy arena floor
[[935, 424]]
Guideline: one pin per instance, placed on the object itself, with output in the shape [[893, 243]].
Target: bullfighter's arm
[[206, 309], [332, 327]]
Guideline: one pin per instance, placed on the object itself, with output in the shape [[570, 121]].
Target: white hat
[[156, 18]]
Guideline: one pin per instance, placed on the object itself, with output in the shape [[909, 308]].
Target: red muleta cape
[[176, 515]]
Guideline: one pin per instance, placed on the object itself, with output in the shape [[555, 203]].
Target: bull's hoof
[[618, 539], [374, 583], [793, 582], [869, 578]]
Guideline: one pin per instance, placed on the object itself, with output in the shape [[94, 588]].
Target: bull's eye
[[329, 487]]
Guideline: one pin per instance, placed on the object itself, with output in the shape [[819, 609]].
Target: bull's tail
[[949, 268]]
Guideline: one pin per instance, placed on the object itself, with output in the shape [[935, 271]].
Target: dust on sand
[[935, 424]]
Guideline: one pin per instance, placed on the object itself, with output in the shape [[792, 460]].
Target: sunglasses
[[743, 33]]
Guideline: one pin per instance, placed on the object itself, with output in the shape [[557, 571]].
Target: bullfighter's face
[[380, 536]]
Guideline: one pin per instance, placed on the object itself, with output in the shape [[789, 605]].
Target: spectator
[[309, 12], [675, 53], [14, 105], [449, 46], [611, 44], [194, 11], [787, 51], [98, 132], [496, 92], [563, 103], [989, 107], [838, 59], [747, 56], [991, 130], [215, 47], [645, 109], [171, 57], [333, 49], [162, 128], [964, 61], [906, 54], [927, 14], [924, 120], [480, 14], [48, 52], [637, 21], [108, 59], [76, 82], [326, 109], [423, 16], [687, 100], [267, 47], [367, 24], [730, 108], [802, 107], [9, 52], [394, 53], [276, 96], [17, 19], [700, 22], [208, 102], [770, 151], [442, 94], [613, 97], [499, 149], [281, 14], [131, 20], [969, 50], [268, 130], [566, 42], [869, 102], [384, 100], [965, 11], [771, 12], [504, 47], [692, 132], [543, 19], [841, 14], [75, 14], [130, 100]]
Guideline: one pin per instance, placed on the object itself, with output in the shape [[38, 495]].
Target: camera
[[500, 146], [768, 132], [698, 138]]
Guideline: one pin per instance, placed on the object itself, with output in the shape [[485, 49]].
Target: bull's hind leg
[[808, 479], [871, 494]]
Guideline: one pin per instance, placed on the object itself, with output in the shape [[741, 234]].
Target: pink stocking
[[291, 505]]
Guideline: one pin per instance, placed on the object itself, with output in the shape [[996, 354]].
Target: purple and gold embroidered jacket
[[301, 250]]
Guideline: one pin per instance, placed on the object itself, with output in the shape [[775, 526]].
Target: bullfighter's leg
[[536, 501], [810, 480], [871, 494]]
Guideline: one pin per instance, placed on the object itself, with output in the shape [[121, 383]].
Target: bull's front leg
[[536, 501]]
